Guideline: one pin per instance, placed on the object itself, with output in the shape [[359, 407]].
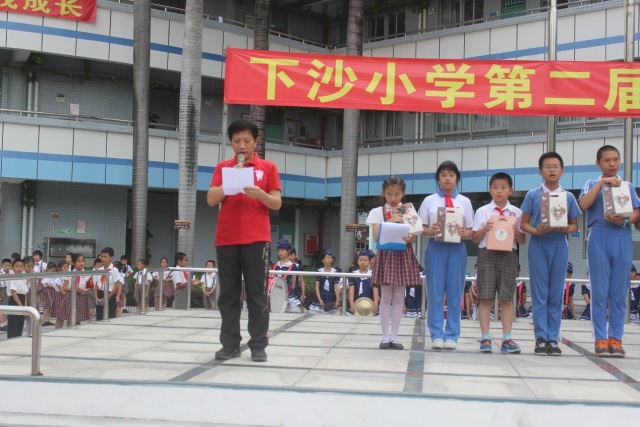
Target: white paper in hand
[[391, 236], [235, 179]]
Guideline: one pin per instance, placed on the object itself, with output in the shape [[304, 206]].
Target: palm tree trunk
[[260, 42], [141, 58], [189, 123], [350, 144]]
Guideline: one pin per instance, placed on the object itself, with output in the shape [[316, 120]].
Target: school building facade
[[67, 99]]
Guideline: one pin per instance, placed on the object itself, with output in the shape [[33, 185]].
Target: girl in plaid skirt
[[63, 287], [164, 280], [181, 282], [393, 270], [82, 306], [48, 294]]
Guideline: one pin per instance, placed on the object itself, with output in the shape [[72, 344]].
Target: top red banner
[[524, 88], [76, 10]]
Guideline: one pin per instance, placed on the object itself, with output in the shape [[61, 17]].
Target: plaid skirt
[[4, 297], [396, 268], [167, 290], [48, 297], [62, 306], [82, 308], [181, 298], [55, 307]]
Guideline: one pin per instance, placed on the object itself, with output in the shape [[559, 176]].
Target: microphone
[[241, 159]]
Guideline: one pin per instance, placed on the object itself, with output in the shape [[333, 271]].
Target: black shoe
[[396, 345], [125, 310], [226, 353], [259, 355], [385, 345], [541, 348], [3, 328], [553, 349]]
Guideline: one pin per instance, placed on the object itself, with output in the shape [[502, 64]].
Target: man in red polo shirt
[[243, 235]]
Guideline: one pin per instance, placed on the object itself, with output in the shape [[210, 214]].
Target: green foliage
[[28, 196]]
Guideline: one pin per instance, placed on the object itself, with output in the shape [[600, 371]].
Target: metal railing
[[36, 328]]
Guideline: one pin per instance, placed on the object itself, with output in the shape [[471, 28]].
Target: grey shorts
[[497, 272], [4, 296]]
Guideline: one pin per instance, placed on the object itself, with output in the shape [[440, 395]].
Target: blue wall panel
[[424, 186], [19, 168], [293, 188], [54, 171], [119, 174], [204, 180], [475, 184], [362, 189], [314, 190], [170, 178], [333, 188], [88, 172], [156, 177], [526, 182]]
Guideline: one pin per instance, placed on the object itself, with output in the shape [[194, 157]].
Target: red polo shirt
[[243, 220]]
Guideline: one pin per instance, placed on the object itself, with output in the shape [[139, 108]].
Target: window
[[469, 123], [454, 12], [278, 20], [514, 7], [382, 125], [385, 26]]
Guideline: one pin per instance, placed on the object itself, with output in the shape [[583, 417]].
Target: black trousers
[[252, 262], [112, 306], [15, 323]]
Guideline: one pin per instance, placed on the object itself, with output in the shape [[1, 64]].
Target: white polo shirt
[[484, 213]]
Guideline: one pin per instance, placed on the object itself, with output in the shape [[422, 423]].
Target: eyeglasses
[[552, 167]]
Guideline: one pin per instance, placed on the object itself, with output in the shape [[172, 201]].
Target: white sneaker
[[437, 344], [450, 345]]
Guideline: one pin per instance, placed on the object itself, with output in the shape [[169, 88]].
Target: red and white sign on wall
[[310, 244], [75, 10]]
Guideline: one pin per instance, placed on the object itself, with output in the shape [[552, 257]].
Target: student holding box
[[495, 229], [548, 250], [609, 253]]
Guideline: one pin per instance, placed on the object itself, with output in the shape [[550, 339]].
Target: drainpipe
[[30, 239], [23, 246]]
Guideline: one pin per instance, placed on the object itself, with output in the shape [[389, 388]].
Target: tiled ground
[[332, 353]]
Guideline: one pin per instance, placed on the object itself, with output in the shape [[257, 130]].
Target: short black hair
[[448, 165], [125, 256], [210, 261], [606, 148], [38, 252], [242, 125], [5, 260], [503, 176], [179, 256], [550, 155], [108, 250], [62, 264], [18, 260], [97, 261], [28, 259], [76, 257], [144, 261], [15, 255]]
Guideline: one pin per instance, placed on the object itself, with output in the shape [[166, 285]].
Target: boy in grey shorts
[[497, 269]]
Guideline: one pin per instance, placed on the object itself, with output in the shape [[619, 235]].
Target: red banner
[[76, 10], [525, 88]]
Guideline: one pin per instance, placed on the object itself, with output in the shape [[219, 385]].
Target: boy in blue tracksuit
[[548, 255], [609, 254]]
